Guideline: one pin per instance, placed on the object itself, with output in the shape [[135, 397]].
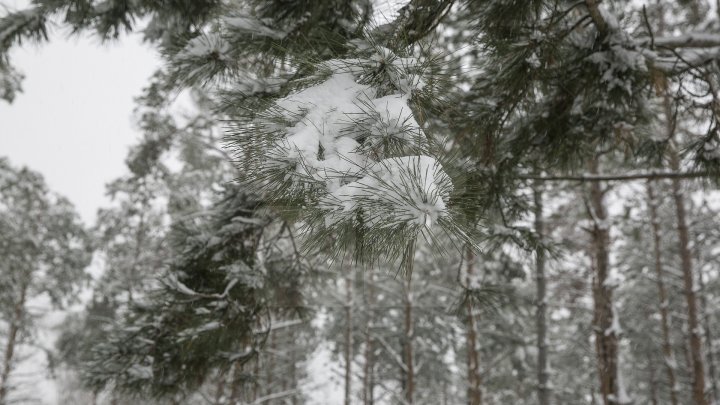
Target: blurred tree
[[44, 250]]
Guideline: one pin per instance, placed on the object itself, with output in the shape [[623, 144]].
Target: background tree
[[45, 250]]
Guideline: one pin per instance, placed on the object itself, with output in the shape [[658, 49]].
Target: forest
[[482, 202]]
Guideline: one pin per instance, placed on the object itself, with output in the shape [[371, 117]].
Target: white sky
[[73, 121]]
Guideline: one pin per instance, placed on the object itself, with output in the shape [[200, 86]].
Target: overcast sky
[[73, 121]]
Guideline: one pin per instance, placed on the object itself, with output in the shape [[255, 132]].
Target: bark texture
[[662, 294], [409, 385], [348, 337], [606, 339], [474, 391], [368, 367]]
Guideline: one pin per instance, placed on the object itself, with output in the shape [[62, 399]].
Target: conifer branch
[[619, 177]]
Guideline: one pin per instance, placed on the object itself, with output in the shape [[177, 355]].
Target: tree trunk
[[293, 372], [408, 344], [606, 339], [15, 326], [698, 373], [662, 294], [368, 379], [474, 391], [653, 382], [256, 380], [348, 336], [712, 373], [220, 388], [235, 388], [270, 370], [542, 364]]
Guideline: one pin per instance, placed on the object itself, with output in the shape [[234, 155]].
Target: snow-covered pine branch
[[347, 153]]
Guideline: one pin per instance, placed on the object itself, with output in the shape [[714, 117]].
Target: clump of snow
[[251, 25], [203, 46], [533, 61], [140, 372], [394, 118], [318, 145], [615, 328], [252, 84], [411, 189], [356, 147]]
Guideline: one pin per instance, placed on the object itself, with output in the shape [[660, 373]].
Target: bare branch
[[692, 40]]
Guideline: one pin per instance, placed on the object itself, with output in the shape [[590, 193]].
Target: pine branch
[[619, 177]]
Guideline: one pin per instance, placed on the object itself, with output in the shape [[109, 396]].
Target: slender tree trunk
[[236, 387], [293, 372], [220, 388], [698, 383], [542, 364], [698, 374], [686, 347], [348, 336], [9, 357], [712, 373], [408, 344], [270, 371], [662, 294], [368, 391], [474, 391], [606, 339], [653, 382], [256, 373]]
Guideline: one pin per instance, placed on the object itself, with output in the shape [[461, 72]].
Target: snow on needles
[[397, 191], [363, 151], [253, 26]]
